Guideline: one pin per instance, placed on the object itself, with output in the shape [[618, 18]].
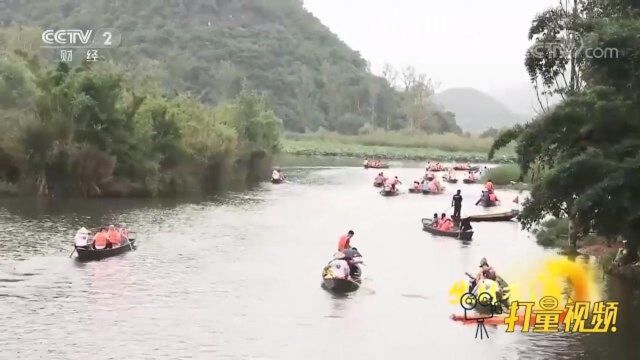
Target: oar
[[74, 250]]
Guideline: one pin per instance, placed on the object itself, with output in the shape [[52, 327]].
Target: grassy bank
[[506, 176], [394, 145]]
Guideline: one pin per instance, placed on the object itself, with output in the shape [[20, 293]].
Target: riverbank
[[319, 147], [506, 177], [553, 234]]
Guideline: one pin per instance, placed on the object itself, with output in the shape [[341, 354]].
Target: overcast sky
[[466, 43]]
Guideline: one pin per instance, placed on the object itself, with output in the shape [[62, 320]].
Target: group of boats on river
[[343, 273]]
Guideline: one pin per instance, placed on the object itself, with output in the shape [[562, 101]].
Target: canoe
[[85, 254], [426, 226], [341, 285], [382, 166], [277, 181], [415, 191], [488, 203], [429, 178], [375, 184], [504, 216], [427, 192], [465, 168], [451, 181], [469, 181], [389, 193]]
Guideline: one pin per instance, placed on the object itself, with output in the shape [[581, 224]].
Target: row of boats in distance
[[462, 228]]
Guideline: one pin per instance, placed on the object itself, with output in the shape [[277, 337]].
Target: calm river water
[[238, 277]]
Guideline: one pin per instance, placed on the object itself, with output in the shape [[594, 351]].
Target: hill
[[209, 48], [476, 111]]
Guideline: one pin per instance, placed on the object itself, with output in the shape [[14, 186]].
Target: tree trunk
[[43, 187], [573, 234], [631, 255]]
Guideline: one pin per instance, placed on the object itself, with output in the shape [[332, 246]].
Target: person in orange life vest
[[489, 186], [100, 239], [113, 236], [345, 241], [447, 225], [493, 197]]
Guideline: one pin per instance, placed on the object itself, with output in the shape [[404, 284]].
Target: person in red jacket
[[345, 241]]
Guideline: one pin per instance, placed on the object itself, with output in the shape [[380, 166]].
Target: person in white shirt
[[82, 238], [340, 267]]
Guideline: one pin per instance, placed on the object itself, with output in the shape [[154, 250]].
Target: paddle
[[74, 250]]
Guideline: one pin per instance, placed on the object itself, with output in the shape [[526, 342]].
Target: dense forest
[[209, 48], [91, 130], [585, 152]]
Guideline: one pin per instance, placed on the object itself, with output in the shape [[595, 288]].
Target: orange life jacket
[[343, 242], [114, 237], [489, 186], [100, 240]]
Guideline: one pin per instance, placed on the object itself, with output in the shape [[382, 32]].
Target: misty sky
[[464, 43]]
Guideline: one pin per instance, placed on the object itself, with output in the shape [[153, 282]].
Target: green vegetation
[[553, 232], [208, 48], [393, 145], [588, 145], [508, 176], [86, 130]]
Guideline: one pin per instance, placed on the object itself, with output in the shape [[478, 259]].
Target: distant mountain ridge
[[477, 111]]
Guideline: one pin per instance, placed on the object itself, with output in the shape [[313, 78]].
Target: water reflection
[[238, 276]]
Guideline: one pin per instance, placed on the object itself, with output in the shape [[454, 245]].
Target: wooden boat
[[415, 191], [462, 235], [86, 254], [389, 192], [469, 181], [504, 216], [466, 168], [378, 185], [429, 177], [450, 180], [426, 191], [488, 203], [341, 285], [277, 181], [379, 166]]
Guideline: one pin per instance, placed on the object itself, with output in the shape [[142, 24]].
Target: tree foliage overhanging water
[[586, 150]]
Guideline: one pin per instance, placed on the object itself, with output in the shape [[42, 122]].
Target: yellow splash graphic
[[561, 278]]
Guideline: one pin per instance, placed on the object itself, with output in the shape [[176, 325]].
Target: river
[[237, 276]]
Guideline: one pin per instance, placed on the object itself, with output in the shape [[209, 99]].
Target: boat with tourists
[[103, 242], [427, 225], [343, 274]]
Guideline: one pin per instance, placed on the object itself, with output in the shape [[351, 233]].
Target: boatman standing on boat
[[456, 202], [345, 241]]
